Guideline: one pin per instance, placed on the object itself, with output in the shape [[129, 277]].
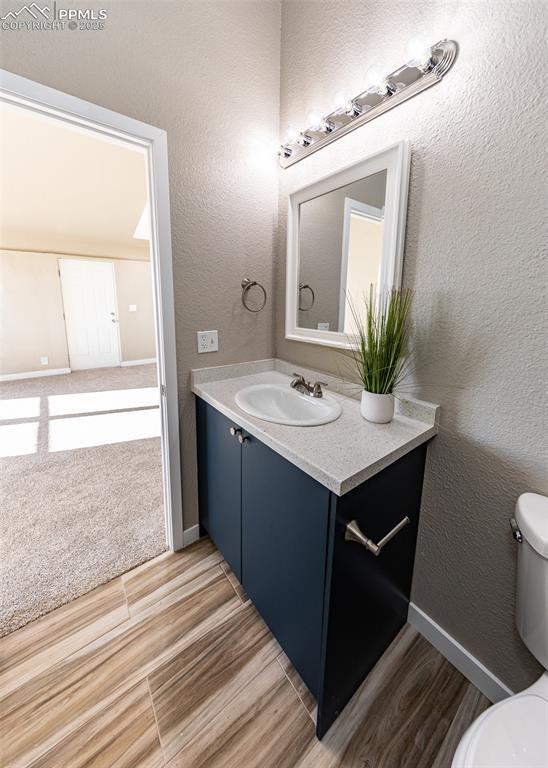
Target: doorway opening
[[88, 401]]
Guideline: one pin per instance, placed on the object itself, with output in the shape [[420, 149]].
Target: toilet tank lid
[[532, 518]]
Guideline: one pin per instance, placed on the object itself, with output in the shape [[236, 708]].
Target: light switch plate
[[44, 360], [208, 341], [133, 307]]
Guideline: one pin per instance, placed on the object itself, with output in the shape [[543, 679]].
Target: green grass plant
[[379, 345]]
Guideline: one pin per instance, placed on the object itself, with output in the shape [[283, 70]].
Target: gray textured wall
[[208, 73], [475, 256]]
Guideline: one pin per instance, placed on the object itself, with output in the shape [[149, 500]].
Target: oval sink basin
[[283, 405]]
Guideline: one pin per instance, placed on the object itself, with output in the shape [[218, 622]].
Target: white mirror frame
[[395, 160]]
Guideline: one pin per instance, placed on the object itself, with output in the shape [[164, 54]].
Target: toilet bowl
[[514, 732], [510, 734]]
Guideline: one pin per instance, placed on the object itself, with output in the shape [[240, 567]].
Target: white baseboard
[[147, 361], [34, 374], [190, 535], [491, 687]]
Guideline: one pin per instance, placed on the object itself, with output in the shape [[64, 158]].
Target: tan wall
[[475, 255], [137, 329], [208, 73], [31, 312]]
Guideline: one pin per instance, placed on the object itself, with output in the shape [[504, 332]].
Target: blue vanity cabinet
[[285, 518], [220, 483], [332, 604]]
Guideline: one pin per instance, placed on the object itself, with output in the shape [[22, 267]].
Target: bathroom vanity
[[298, 513]]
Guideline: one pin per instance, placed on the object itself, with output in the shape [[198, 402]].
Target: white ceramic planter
[[377, 408]]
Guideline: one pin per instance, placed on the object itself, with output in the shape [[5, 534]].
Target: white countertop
[[339, 455]]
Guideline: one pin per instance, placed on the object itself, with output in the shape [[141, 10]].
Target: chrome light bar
[[384, 94]]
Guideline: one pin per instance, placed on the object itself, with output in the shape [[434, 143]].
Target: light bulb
[[340, 101], [314, 120], [326, 126], [352, 109], [291, 135], [375, 81], [304, 140], [419, 52]]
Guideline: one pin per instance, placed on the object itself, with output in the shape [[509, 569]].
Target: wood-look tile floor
[[170, 665]]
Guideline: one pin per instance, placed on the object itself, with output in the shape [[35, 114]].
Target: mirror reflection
[[340, 252]]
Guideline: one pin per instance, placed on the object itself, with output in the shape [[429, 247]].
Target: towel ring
[[302, 287], [247, 284]]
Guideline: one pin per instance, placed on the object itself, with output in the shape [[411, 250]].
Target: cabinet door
[[284, 538], [368, 596], [220, 483]]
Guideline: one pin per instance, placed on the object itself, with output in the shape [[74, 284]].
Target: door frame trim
[[42, 99]]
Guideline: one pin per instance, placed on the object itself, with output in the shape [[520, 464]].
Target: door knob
[[241, 438]]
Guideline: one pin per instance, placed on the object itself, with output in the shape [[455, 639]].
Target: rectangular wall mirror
[[345, 232]]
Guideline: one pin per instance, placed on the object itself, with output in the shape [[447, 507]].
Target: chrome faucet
[[299, 383], [305, 387], [317, 388]]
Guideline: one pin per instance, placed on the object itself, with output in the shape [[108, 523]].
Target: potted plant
[[378, 350]]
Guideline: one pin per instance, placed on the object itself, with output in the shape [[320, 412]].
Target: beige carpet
[[73, 519]]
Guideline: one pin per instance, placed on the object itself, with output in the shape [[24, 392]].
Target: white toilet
[[514, 732]]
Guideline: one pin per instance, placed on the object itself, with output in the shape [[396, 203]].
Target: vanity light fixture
[[426, 66], [377, 83], [319, 123], [291, 136], [304, 140], [420, 54]]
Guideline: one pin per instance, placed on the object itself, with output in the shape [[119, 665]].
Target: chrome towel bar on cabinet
[[354, 533]]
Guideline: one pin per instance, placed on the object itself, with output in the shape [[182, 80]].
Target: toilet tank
[[532, 580]]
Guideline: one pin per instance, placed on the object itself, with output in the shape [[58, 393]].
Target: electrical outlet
[[44, 360], [208, 341]]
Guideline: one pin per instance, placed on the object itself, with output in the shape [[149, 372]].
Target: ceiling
[[67, 189]]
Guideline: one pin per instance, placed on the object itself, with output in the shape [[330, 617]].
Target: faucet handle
[[317, 388], [300, 384]]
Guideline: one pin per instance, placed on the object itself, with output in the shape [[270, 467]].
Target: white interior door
[[91, 316]]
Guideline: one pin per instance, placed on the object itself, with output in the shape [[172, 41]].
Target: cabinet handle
[[354, 533], [237, 432]]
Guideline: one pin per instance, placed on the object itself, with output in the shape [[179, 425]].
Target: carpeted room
[[80, 451], [76, 518]]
